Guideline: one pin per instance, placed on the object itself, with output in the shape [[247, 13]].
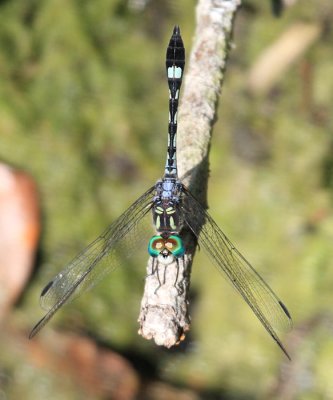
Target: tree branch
[[164, 314]]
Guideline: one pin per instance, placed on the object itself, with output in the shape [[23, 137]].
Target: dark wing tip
[[285, 309], [46, 288]]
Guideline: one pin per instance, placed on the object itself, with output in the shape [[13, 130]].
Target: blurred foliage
[[83, 108]]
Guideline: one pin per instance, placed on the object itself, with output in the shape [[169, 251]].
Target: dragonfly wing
[[269, 309], [121, 238]]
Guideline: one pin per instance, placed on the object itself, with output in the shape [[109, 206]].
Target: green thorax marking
[[165, 218]]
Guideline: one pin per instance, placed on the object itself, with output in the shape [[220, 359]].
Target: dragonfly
[[172, 208]]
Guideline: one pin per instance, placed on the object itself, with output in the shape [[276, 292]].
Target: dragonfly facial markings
[[173, 208], [166, 247]]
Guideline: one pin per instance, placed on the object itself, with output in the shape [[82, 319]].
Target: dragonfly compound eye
[[173, 244], [155, 246]]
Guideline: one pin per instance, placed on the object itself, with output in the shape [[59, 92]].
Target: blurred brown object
[[19, 233], [163, 391], [98, 371], [93, 370], [271, 65]]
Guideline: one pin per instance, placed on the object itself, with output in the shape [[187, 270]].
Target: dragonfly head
[[166, 249]]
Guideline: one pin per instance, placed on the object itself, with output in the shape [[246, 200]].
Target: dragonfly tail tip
[[176, 30]]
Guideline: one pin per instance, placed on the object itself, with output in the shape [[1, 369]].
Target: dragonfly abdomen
[[175, 62]]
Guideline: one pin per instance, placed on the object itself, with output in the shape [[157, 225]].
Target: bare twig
[[164, 312]]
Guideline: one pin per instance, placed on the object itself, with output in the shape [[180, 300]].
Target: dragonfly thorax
[[168, 188], [166, 219], [166, 215]]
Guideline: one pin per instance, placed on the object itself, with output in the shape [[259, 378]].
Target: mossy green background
[[83, 109]]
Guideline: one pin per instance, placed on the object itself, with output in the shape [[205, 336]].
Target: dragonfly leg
[[157, 271], [153, 268], [164, 274], [179, 285]]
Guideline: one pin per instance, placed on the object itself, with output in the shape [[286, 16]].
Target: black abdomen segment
[[175, 62]]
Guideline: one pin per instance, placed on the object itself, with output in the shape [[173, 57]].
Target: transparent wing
[[271, 312], [122, 238]]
